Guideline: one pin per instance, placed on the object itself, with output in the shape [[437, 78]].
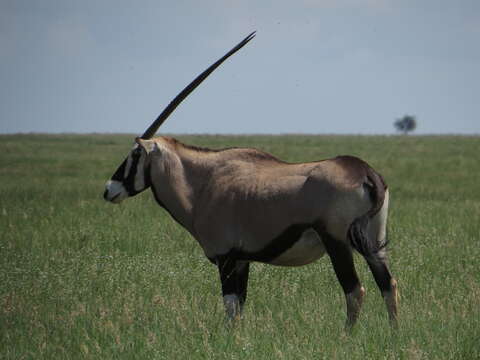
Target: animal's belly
[[308, 248]]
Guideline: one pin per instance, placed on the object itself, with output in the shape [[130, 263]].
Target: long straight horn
[[185, 92]]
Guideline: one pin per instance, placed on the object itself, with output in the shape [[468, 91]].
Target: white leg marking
[[232, 305], [354, 303], [391, 300]]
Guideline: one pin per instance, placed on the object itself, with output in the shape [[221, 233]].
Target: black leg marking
[[228, 275], [234, 278], [242, 281], [387, 285], [381, 274]]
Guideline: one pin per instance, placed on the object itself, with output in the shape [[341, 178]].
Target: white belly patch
[[306, 250]]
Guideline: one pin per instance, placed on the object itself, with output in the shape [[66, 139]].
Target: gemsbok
[[244, 205]]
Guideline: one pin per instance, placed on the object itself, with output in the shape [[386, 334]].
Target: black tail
[[357, 233]]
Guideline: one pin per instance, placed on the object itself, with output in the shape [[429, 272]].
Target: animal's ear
[[147, 145]]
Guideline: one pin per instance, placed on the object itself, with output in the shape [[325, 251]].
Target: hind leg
[[387, 285], [342, 260], [378, 262]]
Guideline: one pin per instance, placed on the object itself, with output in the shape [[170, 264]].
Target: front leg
[[234, 278]]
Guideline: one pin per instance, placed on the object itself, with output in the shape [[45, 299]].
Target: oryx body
[[243, 205]]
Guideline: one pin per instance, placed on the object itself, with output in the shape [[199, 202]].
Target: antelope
[[244, 205]]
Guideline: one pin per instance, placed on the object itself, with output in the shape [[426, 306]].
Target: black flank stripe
[[275, 248]]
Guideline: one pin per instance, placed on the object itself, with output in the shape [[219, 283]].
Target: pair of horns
[[152, 129]]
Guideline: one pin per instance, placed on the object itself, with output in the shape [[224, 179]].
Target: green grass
[[81, 278]]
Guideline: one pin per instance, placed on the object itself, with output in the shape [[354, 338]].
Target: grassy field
[[81, 278]]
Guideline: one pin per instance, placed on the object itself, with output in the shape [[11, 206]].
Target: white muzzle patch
[[115, 192]]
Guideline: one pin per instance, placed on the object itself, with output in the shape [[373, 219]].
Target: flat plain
[[84, 279]]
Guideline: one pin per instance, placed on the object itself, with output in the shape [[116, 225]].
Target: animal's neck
[[177, 179], [171, 188], [197, 169]]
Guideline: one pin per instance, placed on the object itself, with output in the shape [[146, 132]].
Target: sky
[[315, 66]]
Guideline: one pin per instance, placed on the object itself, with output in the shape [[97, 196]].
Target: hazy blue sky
[[325, 66]]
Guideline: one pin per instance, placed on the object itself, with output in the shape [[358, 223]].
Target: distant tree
[[405, 124]]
